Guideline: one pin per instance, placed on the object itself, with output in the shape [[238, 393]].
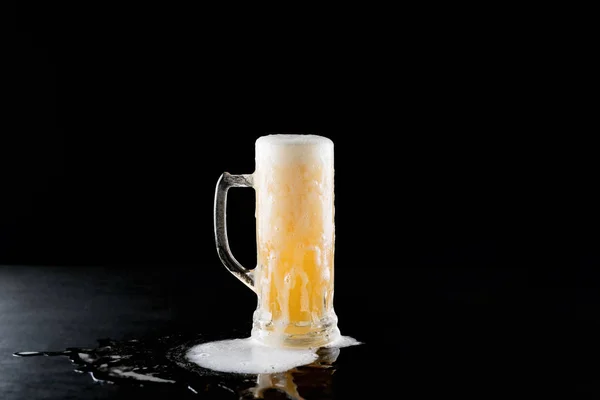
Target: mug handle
[[226, 181]]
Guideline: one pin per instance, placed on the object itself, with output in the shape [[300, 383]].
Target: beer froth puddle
[[248, 356]]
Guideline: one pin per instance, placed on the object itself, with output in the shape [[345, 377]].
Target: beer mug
[[295, 233]]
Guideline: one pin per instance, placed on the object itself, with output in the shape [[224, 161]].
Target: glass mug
[[295, 233]]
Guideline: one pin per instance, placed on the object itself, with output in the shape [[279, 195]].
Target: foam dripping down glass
[[295, 233]]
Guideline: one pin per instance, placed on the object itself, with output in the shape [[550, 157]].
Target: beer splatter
[[163, 362]]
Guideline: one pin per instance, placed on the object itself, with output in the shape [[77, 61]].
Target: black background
[[123, 126], [462, 195]]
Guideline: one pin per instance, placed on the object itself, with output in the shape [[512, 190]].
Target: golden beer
[[295, 233]]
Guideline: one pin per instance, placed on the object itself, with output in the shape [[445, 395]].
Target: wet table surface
[[424, 333]]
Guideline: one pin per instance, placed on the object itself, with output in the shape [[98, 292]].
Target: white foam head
[[279, 148]]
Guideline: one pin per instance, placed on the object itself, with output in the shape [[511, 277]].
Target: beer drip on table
[[164, 363]]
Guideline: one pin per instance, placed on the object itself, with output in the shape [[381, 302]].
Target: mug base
[[313, 338]]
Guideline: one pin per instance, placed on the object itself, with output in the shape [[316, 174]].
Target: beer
[[295, 231]]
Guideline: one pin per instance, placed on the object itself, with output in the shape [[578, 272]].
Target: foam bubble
[[249, 356], [344, 341]]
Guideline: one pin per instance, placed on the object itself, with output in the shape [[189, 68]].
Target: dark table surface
[[426, 331]]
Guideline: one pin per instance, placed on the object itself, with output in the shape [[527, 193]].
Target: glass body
[[295, 233]]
